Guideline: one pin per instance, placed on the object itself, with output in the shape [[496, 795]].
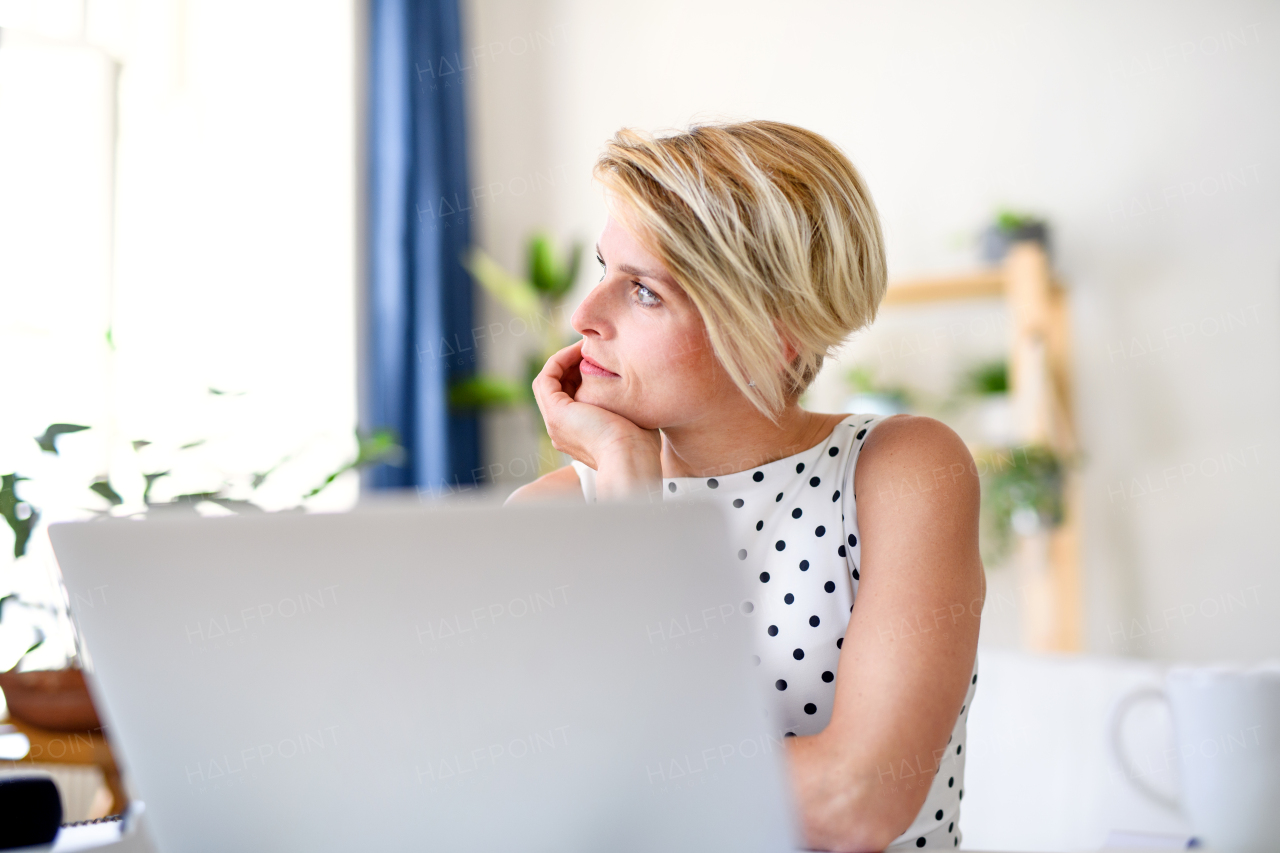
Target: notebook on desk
[[460, 677]]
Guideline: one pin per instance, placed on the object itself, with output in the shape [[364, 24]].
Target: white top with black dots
[[794, 527]]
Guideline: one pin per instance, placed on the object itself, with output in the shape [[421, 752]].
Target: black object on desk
[[30, 811]]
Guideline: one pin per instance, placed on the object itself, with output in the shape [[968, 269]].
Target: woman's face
[[640, 327]]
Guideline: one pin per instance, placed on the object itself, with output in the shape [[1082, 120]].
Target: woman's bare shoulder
[[913, 455], [560, 483]]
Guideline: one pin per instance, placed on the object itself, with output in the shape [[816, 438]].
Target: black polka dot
[[836, 496], [951, 783], [773, 630], [840, 643], [764, 577], [959, 747], [778, 498], [780, 684], [760, 524], [811, 709], [797, 512], [804, 565], [962, 793], [798, 654], [758, 476], [789, 598], [713, 483], [829, 586], [920, 841], [955, 842], [790, 734], [820, 531], [671, 487], [840, 551], [861, 433], [937, 815], [799, 467], [856, 576], [962, 707], [951, 827], [975, 678], [828, 676], [853, 540], [780, 545], [833, 451], [814, 481], [737, 503], [742, 553]]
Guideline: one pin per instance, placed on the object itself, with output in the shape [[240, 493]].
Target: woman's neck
[[719, 444]]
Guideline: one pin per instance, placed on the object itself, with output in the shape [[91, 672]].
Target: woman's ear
[[789, 350]]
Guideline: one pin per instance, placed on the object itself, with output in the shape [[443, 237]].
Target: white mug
[[1226, 723]]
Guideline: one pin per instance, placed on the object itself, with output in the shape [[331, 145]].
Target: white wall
[[1146, 132]]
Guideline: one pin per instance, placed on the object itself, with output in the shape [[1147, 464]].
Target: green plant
[[1022, 490], [986, 379], [22, 517], [535, 300], [861, 380], [1011, 221]]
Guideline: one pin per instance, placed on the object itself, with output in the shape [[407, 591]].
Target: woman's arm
[[560, 483], [911, 641]]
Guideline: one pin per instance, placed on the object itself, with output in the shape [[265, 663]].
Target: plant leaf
[[218, 392], [139, 444], [102, 488], [485, 391], [569, 273], [9, 504], [192, 444], [380, 447], [151, 481], [51, 433], [519, 296], [543, 272], [40, 638]]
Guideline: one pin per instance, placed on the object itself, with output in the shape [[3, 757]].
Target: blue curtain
[[419, 296]]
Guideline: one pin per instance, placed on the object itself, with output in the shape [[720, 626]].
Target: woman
[[734, 258]]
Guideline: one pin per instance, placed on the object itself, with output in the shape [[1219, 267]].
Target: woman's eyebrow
[[636, 271]]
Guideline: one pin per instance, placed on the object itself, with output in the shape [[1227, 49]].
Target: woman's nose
[[592, 313]]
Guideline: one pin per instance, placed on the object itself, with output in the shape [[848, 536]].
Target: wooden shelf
[[975, 285], [1040, 385]]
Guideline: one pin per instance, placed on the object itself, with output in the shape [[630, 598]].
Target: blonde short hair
[[771, 232]]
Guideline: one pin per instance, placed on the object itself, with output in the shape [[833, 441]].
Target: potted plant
[[536, 300], [58, 699], [873, 398], [1012, 227], [1022, 493]]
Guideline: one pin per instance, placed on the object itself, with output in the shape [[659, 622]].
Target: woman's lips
[[590, 368]]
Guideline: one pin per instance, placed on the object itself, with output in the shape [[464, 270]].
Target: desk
[[83, 748]]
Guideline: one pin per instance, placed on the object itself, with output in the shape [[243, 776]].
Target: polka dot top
[[794, 530]]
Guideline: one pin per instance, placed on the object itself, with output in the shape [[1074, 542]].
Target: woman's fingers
[[555, 385], [549, 383]]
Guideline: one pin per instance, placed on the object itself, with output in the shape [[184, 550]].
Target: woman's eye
[[600, 261], [648, 298]]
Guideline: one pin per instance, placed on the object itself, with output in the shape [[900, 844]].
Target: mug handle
[[1135, 777]]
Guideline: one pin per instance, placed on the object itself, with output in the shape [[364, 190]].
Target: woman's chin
[[632, 410]]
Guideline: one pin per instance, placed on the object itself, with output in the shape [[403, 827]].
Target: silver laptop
[[459, 678]]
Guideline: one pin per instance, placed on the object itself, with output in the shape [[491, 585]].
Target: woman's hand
[[627, 458]]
